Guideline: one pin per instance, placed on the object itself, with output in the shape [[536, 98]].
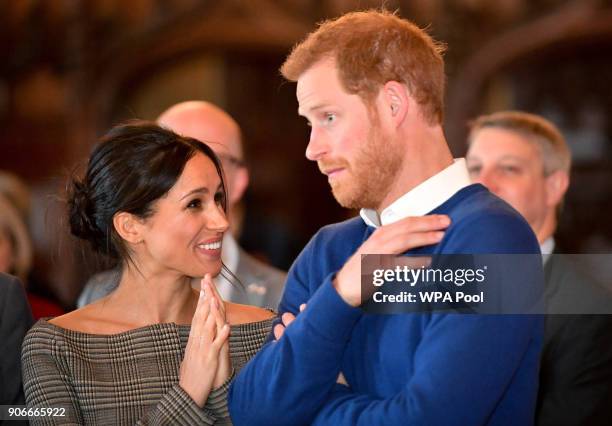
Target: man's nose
[[317, 146], [488, 179]]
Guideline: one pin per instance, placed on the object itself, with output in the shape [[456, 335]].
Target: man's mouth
[[333, 172]]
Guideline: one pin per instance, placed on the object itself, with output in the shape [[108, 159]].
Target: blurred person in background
[[524, 159], [15, 321], [17, 193], [16, 256], [263, 284], [155, 351]]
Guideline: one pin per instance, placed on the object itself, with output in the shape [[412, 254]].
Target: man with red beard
[[371, 86]]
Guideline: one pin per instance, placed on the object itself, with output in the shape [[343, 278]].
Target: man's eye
[[511, 169], [194, 204], [220, 198], [474, 170], [330, 118]]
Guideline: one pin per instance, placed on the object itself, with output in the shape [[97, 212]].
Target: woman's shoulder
[[41, 339], [97, 318], [80, 320], [238, 314], [47, 331]]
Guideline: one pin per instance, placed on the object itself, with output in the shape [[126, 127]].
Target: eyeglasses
[[231, 160]]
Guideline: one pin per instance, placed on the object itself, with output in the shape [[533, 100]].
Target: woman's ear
[[129, 227]]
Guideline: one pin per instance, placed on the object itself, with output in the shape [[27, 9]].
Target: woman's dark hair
[[132, 166]]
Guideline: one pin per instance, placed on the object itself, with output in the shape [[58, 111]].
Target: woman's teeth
[[211, 246]]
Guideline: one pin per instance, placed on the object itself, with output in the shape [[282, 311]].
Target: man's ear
[[556, 186], [396, 101], [128, 226], [240, 184]]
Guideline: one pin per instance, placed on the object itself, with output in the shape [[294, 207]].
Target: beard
[[371, 174]]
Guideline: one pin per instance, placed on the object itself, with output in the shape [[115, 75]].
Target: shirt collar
[[230, 255], [423, 198], [230, 252], [546, 248]]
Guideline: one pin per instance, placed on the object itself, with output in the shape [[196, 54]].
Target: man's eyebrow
[[202, 190], [302, 112], [512, 157]]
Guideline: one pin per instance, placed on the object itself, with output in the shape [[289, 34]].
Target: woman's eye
[[194, 204]]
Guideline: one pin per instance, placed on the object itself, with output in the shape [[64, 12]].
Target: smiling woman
[[154, 351]]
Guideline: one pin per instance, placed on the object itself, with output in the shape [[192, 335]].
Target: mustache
[[331, 164]]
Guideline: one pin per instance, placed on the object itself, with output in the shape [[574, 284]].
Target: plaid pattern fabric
[[124, 379]]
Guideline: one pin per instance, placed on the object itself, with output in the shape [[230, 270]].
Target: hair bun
[[81, 213]]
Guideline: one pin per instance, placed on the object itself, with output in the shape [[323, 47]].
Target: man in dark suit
[[524, 159], [15, 321]]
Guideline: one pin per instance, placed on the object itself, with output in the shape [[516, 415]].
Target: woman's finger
[[211, 289], [221, 337], [214, 290], [207, 328], [219, 317], [200, 315]]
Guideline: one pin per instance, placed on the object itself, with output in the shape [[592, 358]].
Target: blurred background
[[70, 69]]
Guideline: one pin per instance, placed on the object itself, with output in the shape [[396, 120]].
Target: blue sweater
[[410, 369]]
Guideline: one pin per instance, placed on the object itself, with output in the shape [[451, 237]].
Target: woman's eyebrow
[[202, 190]]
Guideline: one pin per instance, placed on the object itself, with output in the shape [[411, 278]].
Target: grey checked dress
[[124, 379]]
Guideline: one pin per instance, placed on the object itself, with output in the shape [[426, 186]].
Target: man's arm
[[15, 320], [576, 376], [295, 374], [465, 363]]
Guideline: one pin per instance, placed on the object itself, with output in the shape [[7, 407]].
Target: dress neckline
[[159, 327]]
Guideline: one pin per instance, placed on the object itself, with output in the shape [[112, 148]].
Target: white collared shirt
[[230, 255], [423, 198], [546, 248]]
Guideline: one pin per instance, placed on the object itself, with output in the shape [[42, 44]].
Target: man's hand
[[287, 318], [395, 238]]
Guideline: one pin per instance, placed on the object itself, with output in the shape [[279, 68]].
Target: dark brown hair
[[132, 166]]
